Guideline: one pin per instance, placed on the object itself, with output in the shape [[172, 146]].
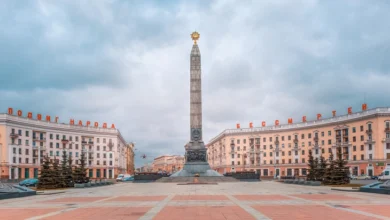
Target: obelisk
[[196, 152]]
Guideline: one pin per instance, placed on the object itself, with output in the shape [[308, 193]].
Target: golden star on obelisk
[[195, 36]]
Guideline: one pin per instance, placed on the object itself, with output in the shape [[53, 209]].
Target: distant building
[[168, 163], [130, 158], [283, 150], [24, 141]]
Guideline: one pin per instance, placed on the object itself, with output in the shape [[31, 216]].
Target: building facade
[[283, 150], [25, 141], [168, 163], [130, 158]]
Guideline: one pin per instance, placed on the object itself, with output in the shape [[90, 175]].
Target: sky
[[127, 63]]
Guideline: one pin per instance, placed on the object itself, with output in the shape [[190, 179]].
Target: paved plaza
[[169, 201]]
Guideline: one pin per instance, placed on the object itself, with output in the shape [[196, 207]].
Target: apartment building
[[24, 141], [168, 163], [283, 149]]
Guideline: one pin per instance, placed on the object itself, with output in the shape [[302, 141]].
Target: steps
[[202, 179]]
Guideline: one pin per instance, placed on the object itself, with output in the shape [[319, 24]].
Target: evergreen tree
[[328, 176], [80, 175], [66, 175], [340, 176], [70, 171], [321, 168], [59, 179], [46, 179], [311, 176]]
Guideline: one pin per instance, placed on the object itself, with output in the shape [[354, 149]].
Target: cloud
[[128, 63]]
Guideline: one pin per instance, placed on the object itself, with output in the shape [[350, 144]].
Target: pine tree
[[340, 175], [328, 176], [311, 176], [59, 180], [80, 175], [66, 175], [46, 179], [321, 168], [70, 171], [316, 162]]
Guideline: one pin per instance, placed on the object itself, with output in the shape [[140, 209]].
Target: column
[[9, 172], [16, 170]]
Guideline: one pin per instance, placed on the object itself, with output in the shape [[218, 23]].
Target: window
[[282, 138], [322, 134], [289, 160], [77, 146], [361, 128], [270, 154], [277, 161], [329, 150], [289, 153], [296, 160], [329, 133], [51, 153], [57, 153], [289, 138], [303, 160], [265, 147], [104, 148], [98, 147], [270, 139], [296, 153], [110, 163], [57, 136], [27, 160], [77, 138], [370, 156], [388, 146], [244, 141], [20, 132], [316, 151], [354, 148], [323, 150], [302, 136], [362, 137], [104, 140], [27, 133], [303, 152], [361, 147], [354, 157], [238, 141], [370, 147], [322, 142], [238, 155], [277, 154], [20, 150], [270, 162], [282, 153], [27, 143], [57, 145], [264, 139], [77, 154], [354, 139], [309, 143], [238, 162], [270, 146], [19, 141], [362, 157], [282, 161], [264, 162], [309, 135], [232, 162], [329, 142], [387, 124], [26, 152], [265, 155]]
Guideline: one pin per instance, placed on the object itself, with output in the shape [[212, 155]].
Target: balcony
[[276, 142], [14, 135], [387, 130], [295, 141], [110, 144], [369, 131], [90, 142], [64, 141], [84, 142], [315, 139]]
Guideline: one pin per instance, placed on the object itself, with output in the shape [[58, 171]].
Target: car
[[363, 177], [120, 177], [128, 178], [29, 182], [352, 177], [385, 175], [32, 183], [374, 177]]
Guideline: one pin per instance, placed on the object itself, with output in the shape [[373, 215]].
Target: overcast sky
[[127, 62]]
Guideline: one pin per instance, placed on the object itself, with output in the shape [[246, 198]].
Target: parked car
[[128, 178], [374, 177], [363, 177], [352, 177], [29, 182], [120, 177]]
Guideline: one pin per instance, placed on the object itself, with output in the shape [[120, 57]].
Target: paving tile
[[203, 213], [325, 197], [318, 212], [112, 213], [200, 197], [16, 214], [261, 197], [383, 210], [136, 198], [76, 199]]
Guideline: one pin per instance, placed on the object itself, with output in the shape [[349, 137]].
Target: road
[[364, 182]]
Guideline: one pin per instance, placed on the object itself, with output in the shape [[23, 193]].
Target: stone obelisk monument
[[196, 152]]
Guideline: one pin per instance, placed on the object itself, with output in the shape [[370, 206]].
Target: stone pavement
[[169, 201]]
